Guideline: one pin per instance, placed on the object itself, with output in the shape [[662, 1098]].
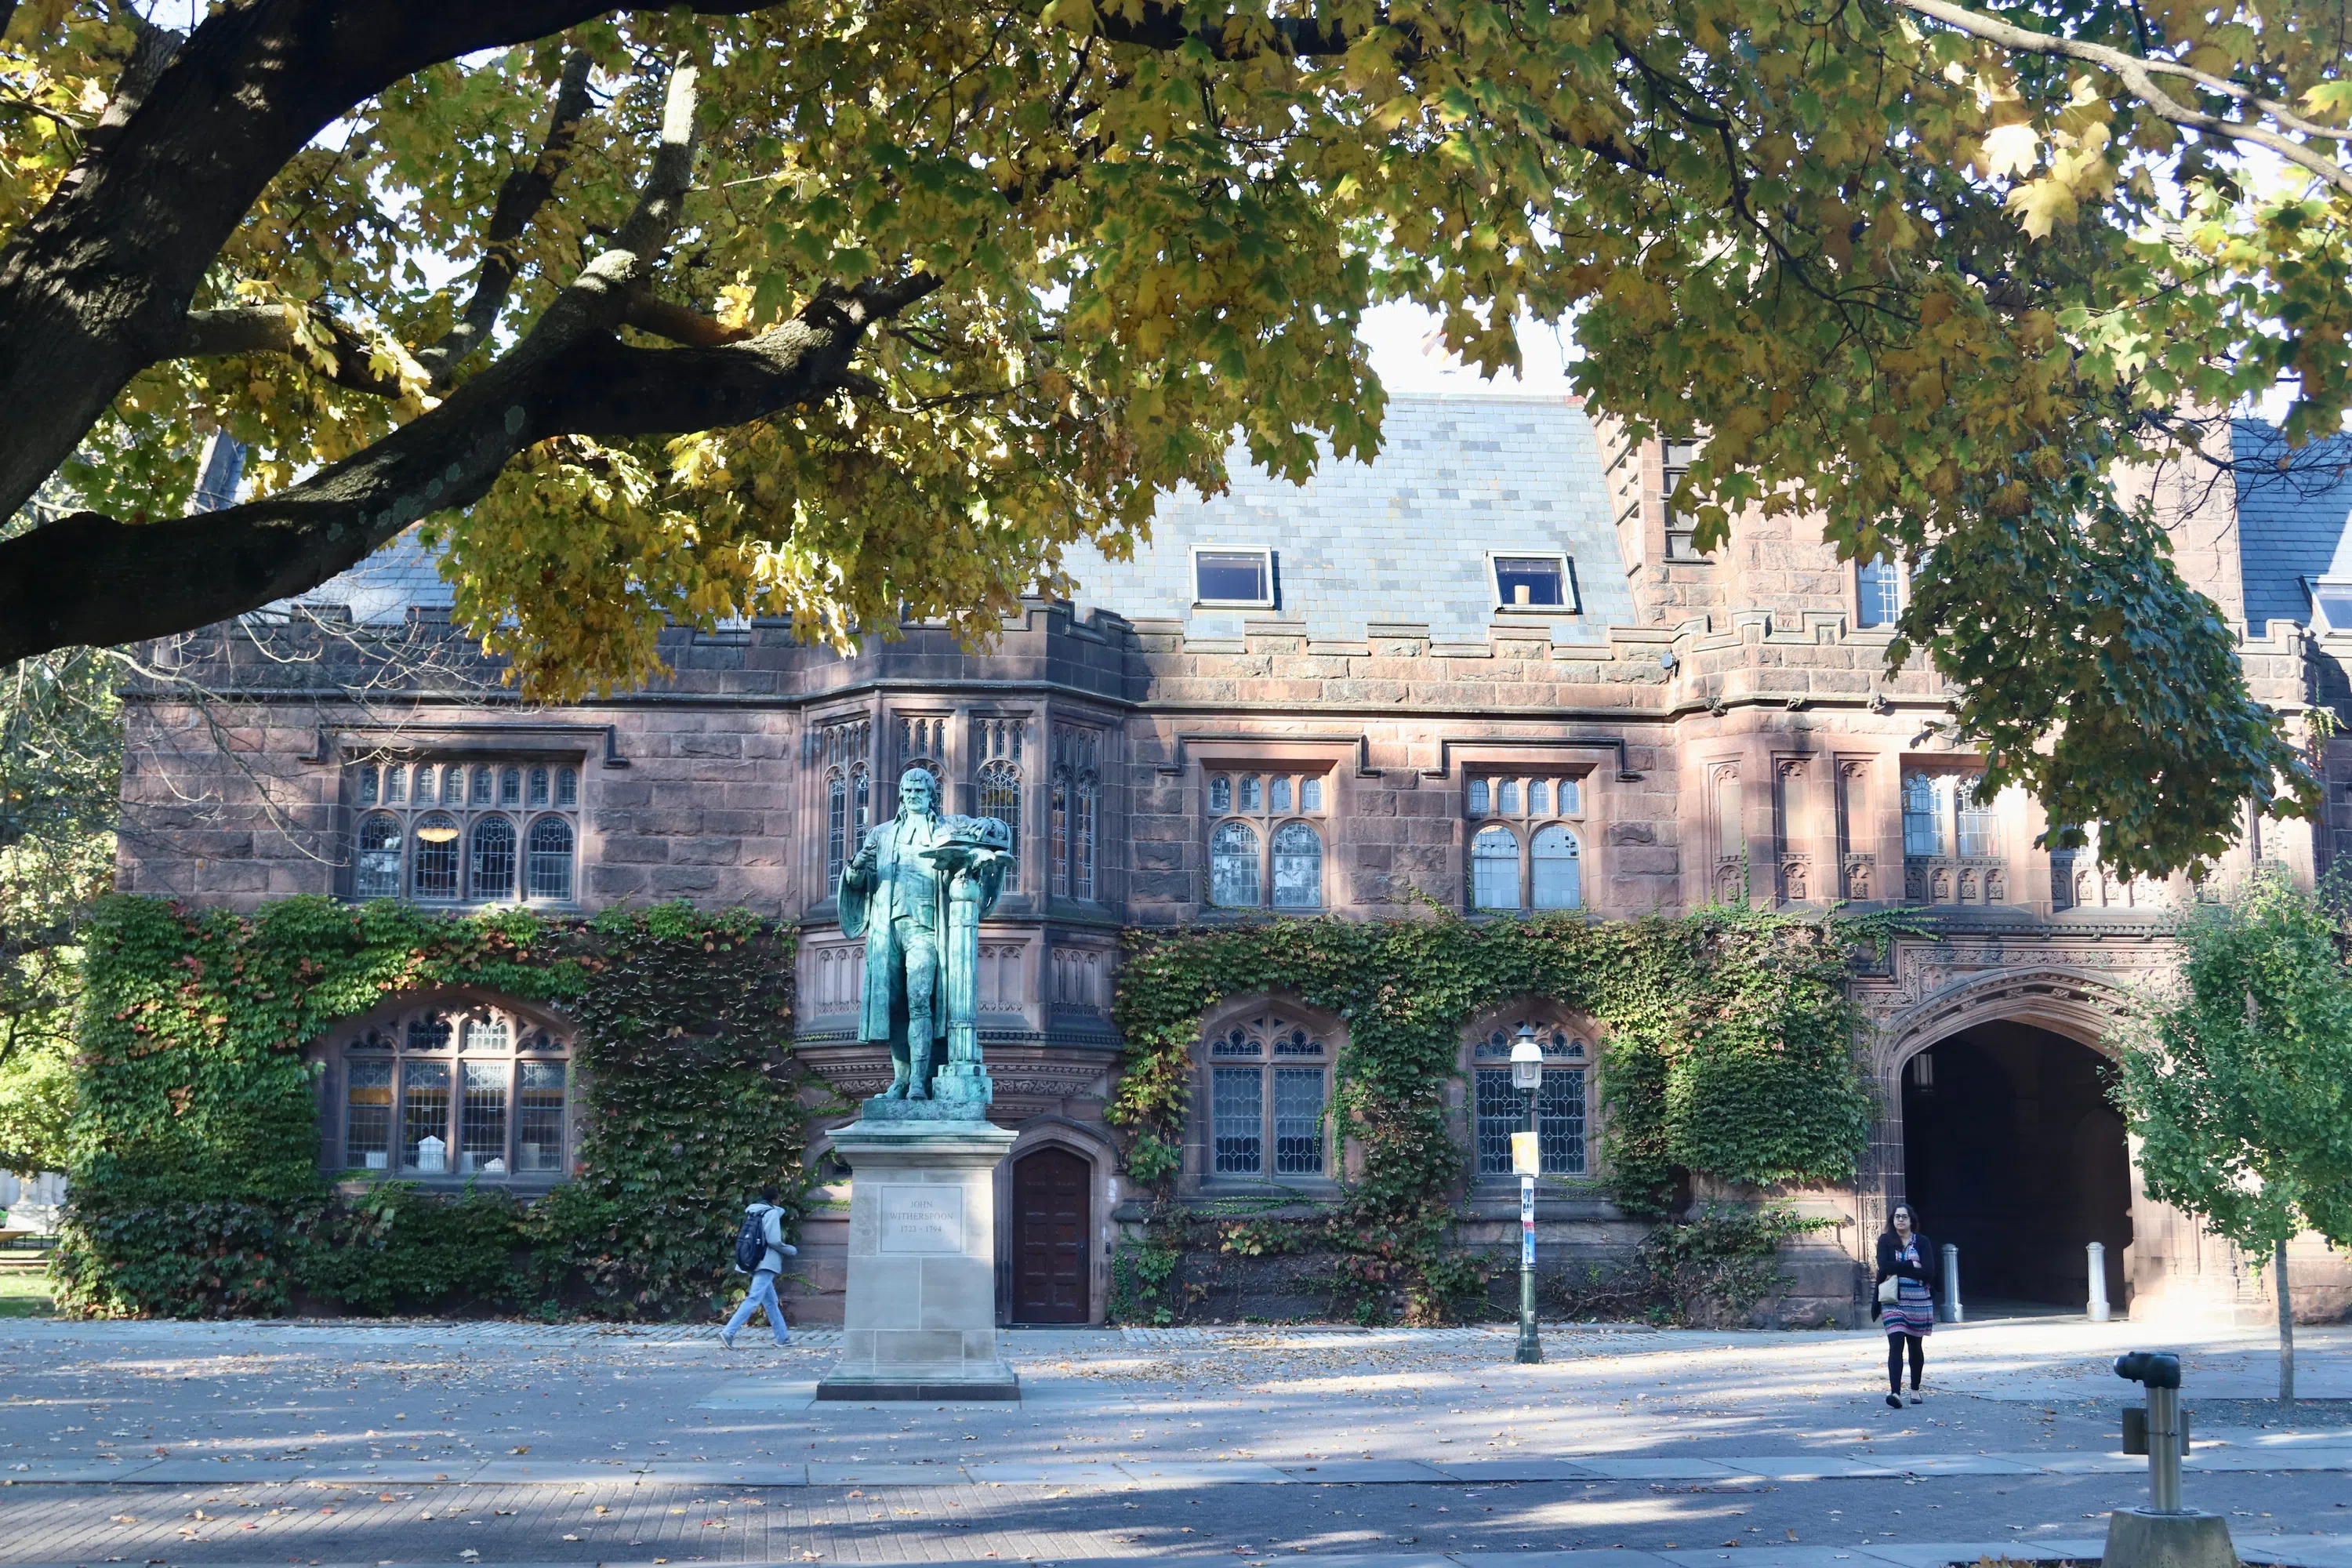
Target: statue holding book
[[917, 890]]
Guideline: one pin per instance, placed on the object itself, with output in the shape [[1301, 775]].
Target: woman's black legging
[[1895, 1343]]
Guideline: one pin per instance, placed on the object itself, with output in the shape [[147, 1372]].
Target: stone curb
[[2298, 1551], [1732, 1470]]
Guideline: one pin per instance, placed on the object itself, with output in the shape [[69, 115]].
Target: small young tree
[[2240, 1085]]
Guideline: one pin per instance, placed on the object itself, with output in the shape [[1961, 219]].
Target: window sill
[[470, 906], [1318, 1191], [531, 1179]]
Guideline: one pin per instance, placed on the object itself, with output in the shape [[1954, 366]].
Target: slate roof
[[382, 587], [1404, 538], [2292, 524]]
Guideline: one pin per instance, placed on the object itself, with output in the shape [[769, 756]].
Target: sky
[[1402, 339]]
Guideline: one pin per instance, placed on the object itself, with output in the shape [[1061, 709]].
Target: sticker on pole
[[1525, 1159]]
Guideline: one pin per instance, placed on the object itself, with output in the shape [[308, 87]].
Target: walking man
[[759, 1251]]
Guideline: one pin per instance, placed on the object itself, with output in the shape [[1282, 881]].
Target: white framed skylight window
[[2331, 603], [1541, 581], [1232, 576]]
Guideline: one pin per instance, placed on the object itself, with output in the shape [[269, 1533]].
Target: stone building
[[1487, 672]]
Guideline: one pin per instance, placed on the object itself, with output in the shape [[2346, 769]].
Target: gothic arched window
[[1232, 866], [1502, 1111], [1298, 867], [837, 826], [1494, 869], [490, 867], [454, 1092], [1269, 1086], [375, 871], [434, 864], [1000, 797], [548, 866], [1559, 876]]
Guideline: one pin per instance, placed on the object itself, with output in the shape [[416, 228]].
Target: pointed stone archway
[[2013, 1140]]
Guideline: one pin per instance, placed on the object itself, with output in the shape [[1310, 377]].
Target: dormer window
[[1227, 576], [2331, 605], [1533, 582]]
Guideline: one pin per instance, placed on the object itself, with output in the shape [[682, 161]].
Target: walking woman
[[1906, 1304]]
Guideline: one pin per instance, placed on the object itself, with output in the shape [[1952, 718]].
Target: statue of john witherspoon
[[895, 893]]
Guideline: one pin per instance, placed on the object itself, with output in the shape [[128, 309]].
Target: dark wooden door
[[1051, 1221]]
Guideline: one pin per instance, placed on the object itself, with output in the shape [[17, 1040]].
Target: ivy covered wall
[[196, 1189], [1727, 1052]]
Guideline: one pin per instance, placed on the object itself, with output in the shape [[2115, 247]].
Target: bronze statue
[[917, 890]]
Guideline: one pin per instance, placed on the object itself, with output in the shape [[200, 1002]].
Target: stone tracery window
[[1519, 860], [1077, 807], [1500, 1110], [1269, 1092], [453, 832], [997, 746], [458, 1091], [1265, 846]]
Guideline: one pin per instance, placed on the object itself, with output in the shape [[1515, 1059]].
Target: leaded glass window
[[1558, 873], [999, 791], [549, 864], [539, 1116], [435, 857], [1494, 869], [1237, 1098], [1298, 867], [424, 1118], [367, 1115], [460, 1093], [1923, 815], [447, 832], [482, 1127], [375, 868], [1232, 866], [490, 868], [836, 827], [1501, 1110], [1269, 1090]]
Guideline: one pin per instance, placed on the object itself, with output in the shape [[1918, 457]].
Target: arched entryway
[[1053, 1215], [2012, 1152]]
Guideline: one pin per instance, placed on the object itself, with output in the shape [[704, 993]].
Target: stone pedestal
[[920, 1322], [2142, 1538]]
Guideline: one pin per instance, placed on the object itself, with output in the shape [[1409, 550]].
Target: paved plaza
[[505, 1442]]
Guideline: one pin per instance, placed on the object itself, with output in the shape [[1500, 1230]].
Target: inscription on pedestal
[[922, 1219]]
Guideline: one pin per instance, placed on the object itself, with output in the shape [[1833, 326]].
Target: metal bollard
[[2163, 1535], [2098, 1310], [2159, 1372], [1952, 1313]]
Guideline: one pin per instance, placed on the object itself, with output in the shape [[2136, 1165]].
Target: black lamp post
[[1526, 1076]]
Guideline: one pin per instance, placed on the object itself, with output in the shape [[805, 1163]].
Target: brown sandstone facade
[[1731, 731]]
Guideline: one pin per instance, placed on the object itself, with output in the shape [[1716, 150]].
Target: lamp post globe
[[1527, 1060]]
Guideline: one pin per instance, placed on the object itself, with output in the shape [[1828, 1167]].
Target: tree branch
[[270, 329], [96, 285], [525, 191], [92, 579], [677, 322], [1157, 24], [2140, 75]]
